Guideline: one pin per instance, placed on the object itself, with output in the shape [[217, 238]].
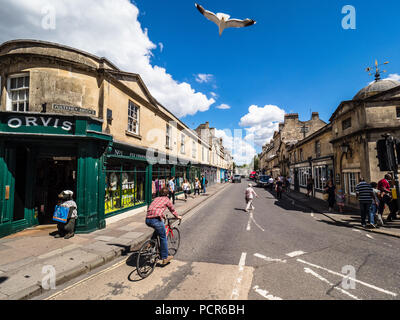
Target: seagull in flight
[[222, 20]]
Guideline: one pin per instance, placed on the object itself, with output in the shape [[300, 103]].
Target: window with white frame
[[194, 150], [168, 136], [320, 177], [182, 143], [18, 93], [352, 179], [304, 174], [133, 118]]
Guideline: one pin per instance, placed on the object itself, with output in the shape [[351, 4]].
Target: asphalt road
[[279, 251]]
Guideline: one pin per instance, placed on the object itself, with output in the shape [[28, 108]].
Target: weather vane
[[377, 71]]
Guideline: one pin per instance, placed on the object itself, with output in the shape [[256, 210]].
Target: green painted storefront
[[44, 154]]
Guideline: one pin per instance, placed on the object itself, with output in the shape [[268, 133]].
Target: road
[[278, 252]]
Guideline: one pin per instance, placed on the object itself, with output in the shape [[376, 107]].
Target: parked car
[[237, 178], [263, 181]]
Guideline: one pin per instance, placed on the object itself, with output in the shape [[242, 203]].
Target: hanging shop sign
[[60, 107]]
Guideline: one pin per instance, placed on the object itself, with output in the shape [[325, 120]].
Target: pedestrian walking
[[330, 189], [67, 229], [249, 197], [197, 186], [375, 205], [310, 184], [386, 197], [365, 195], [203, 183], [171, 189], [186, 188], [279, 188], [288, 184], [271, 183], [340, 199]]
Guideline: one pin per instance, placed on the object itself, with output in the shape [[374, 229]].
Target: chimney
[[315, 116]]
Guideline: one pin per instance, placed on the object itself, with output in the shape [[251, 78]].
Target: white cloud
[[204, 78], [104, 28], [161, 45], [223, 107], [394, 76], [242, 151], [214, 95], [261, 122]]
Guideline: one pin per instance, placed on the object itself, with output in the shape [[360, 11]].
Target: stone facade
[[343, 150]]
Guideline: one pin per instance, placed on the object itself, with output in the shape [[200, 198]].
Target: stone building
[[343, 150], [72, 120], [274, 158]]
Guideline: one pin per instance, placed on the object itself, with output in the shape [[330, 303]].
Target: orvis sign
[[37, 122]]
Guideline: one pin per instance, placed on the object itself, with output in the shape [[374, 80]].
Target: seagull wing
[[236, 23], [208, 14]]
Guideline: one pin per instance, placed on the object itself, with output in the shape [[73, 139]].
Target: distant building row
[[343, 150]]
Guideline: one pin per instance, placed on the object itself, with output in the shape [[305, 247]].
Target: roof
[[376, 87]]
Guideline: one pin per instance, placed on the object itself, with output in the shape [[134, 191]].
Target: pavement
[[30, 257], [350, 217]]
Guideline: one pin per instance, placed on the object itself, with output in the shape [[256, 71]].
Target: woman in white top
[[250, 194], [186, 188]]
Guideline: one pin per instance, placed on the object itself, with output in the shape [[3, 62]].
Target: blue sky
[[296, 59], [297, 56]]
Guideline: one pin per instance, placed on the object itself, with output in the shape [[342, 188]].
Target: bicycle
[[149, 253]]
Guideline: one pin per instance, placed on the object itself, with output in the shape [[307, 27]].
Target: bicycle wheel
[[147, 258], [174, 240]]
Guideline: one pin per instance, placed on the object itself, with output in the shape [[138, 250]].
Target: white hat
[[250, 185], [66, 193]]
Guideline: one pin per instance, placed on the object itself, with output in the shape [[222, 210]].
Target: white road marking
[[371, 237], [252, 218], [249, 223], [118, 264], [268, 258], [295, 254], [265, 294], [312, 215], [236, 289], [309, 271], [349, 278], [356, 230]]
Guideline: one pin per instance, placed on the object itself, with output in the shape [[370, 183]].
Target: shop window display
[[124, 188], [161, 176]]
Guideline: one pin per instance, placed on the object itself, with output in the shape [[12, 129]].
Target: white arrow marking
[[295, 254], [308, 270], [265, 294], [268, 258], [349, 278]]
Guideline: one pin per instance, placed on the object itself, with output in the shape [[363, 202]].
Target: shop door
[[20, 184], [53, 175]]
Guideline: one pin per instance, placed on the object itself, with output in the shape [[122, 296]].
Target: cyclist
[[154, 219]]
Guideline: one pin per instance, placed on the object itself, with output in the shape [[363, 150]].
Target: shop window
[[133, 118], [18, 93], [346, 124], [320, 177], [161, 175], [125, 187], [304, 174]]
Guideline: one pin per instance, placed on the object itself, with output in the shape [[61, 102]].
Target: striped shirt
[[365, 192], [158, 207]]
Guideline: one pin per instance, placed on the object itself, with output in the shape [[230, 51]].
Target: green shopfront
[[44, 154]]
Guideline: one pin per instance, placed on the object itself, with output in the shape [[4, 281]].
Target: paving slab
[[9, 267], [104, 238], [131, 235]]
